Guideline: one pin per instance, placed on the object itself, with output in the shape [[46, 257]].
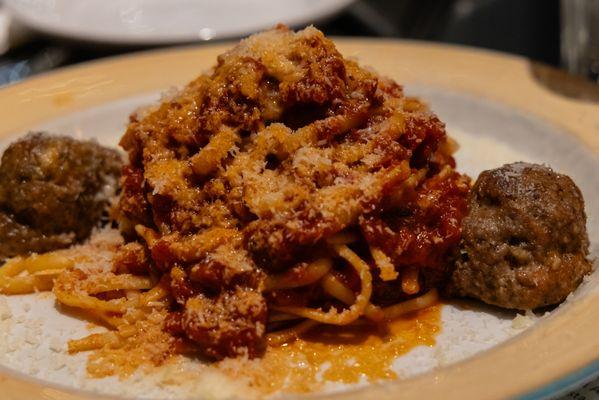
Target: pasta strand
[[349, 315]]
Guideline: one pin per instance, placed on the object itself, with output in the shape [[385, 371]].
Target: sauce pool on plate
[[342, 354]]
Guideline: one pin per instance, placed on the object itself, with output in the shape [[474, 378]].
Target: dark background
[[525, 27]]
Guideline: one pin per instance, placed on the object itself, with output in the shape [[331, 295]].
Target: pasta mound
[[239, 184]]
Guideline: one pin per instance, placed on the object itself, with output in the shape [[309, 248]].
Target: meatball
[[524, 241], [53, 191]]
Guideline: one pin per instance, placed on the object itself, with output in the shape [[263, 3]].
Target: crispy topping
[[251, 167]]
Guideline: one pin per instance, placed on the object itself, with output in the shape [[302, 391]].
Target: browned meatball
[[53, 191], [524, 241]]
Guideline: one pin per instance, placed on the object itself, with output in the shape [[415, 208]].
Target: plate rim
[[330, 9], [78, 87]]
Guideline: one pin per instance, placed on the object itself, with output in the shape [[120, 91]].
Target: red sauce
[[426, 228]]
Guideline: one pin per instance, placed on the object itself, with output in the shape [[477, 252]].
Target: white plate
[[146, 22], [491, 105], [489, 135]]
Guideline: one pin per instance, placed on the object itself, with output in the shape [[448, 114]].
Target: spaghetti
[[288, 188]]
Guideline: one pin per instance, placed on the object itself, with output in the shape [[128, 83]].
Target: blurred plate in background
[[145, 22]]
